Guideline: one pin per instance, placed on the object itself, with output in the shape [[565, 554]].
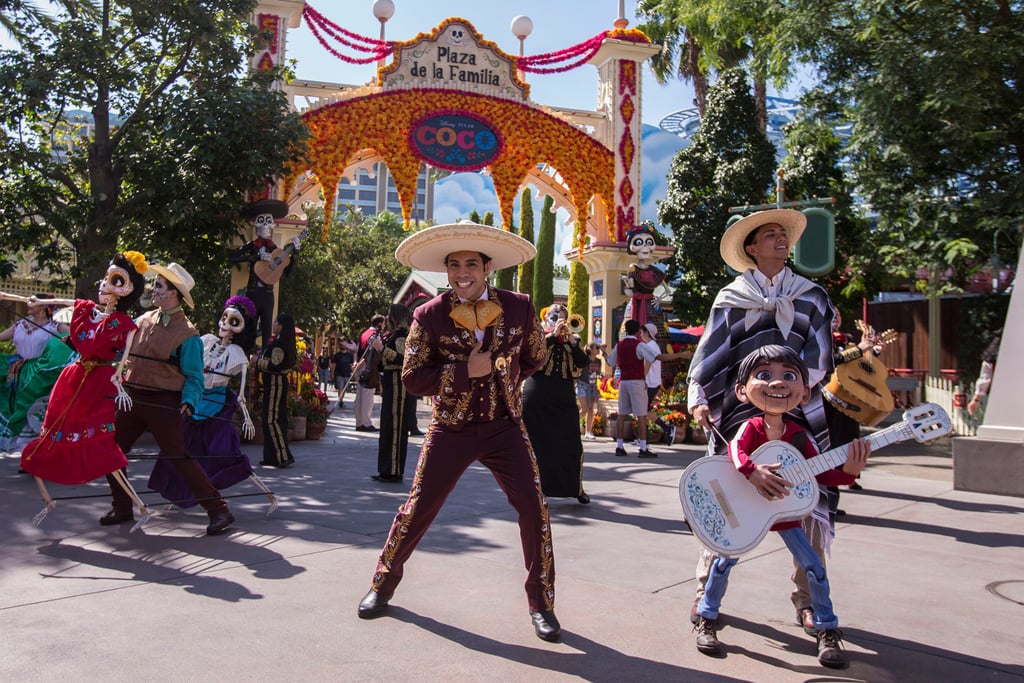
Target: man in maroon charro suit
[[471, 348]]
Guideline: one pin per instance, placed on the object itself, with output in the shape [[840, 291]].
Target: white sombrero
[[792, 221], [427, 248], [176, 274]]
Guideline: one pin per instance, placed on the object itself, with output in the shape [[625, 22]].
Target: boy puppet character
[[775, 380]]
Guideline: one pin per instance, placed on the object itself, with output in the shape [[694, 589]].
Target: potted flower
[[297, 412], [628, 429], [680, 421], [654, 432], [600, 424], [316, 412], [697, 434]]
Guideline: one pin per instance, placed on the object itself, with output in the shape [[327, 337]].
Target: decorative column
[[273, 18], [993, 462], [619, 64]]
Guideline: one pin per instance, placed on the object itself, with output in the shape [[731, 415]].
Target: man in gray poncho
[[766, 304]]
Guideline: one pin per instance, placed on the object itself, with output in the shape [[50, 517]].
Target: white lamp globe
[[522, 26]]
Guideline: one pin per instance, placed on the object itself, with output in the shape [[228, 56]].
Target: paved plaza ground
[[928, 582]]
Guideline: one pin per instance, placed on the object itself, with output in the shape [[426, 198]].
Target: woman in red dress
[[76, 444]]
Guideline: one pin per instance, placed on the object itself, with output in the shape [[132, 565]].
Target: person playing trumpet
[[550, 411]]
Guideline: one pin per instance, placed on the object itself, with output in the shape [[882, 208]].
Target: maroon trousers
[[503, 447], [158, 412]]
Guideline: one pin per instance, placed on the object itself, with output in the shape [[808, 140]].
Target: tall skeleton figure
[[210, 434]]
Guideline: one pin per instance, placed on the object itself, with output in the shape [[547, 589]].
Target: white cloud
[[459, 194]]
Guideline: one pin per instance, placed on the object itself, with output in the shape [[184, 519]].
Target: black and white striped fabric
[[731, 334]]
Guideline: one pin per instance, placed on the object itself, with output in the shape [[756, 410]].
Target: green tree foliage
[[700, 37], [543, 277], [132, 127], [813, 170], [504, 278], [729, 163], [526, 232], [343, 282], [937, 148]]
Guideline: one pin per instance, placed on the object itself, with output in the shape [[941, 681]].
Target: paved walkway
[[928, 582]]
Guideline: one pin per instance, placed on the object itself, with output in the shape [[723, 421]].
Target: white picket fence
[[947, 393]]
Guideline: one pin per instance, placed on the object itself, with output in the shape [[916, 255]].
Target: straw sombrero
[[176, 274], [427, 248], [792, 221]]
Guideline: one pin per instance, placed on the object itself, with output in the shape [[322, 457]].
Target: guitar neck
[[836, 457]]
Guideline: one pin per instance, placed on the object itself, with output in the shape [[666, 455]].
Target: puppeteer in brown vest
[[152, 348]]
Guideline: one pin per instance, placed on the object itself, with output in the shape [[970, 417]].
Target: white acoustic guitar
[[730, 517]]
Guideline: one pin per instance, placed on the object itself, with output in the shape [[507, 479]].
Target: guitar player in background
[[263, 213], [841, 427], [774, 379]]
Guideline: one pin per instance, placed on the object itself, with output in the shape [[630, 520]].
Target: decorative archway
[[386, 124]]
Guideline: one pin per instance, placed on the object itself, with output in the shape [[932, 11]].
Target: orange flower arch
[[381, 122]]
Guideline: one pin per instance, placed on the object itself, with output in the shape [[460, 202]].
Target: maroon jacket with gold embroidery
[[437, 352]]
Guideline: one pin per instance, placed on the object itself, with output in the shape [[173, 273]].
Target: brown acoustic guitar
[[271, 270], [858, 389]]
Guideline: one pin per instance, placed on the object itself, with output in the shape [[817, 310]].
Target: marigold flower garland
[[380, 123]]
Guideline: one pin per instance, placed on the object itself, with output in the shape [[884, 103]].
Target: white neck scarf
[[744, 292]]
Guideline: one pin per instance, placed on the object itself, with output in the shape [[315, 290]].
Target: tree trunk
[[761, 102]]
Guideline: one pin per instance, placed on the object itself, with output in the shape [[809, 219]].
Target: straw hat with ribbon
[[793, 222], [426, 249], [176, 274]]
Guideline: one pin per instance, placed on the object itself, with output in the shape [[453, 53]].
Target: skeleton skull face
[[643, 246], [232, 322], [264, 224], [456, 35], [115, 285]]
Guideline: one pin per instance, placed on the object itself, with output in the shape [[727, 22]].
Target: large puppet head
[[640, 241], [238, 323], [123, 283], [263, 213]]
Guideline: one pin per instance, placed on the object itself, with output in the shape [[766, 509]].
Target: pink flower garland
[[317, 22], [538, 64]]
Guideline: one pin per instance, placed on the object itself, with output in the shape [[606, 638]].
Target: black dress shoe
[[546, 626], [583, 498], [373, 604], [219, 522], [415, 432], [114, 517], [390, 478]]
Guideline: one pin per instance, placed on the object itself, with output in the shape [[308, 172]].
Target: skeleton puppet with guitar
[[267, 262]]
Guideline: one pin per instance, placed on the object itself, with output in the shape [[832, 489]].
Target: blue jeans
[[796, 541]]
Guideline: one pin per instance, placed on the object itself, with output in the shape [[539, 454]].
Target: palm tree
[[698, 37]]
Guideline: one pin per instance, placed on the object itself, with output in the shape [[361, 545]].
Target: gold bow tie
[[471, 315]]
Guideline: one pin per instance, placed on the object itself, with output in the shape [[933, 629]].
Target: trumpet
[[576, 323]]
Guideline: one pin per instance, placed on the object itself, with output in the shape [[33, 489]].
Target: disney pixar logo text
[[458, 142]]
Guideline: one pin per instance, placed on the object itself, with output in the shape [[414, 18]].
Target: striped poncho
[[742, 320]]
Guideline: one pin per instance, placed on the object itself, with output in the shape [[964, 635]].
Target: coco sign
[[454, 141]]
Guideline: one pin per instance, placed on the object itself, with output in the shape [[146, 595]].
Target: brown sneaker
[[805, 618], [707, 636], [830, 649]]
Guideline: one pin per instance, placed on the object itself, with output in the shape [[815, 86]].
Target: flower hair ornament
[[138, 261], [242, 303]]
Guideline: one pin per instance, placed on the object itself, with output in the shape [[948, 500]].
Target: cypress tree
[[526, 232], [543, 275]]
